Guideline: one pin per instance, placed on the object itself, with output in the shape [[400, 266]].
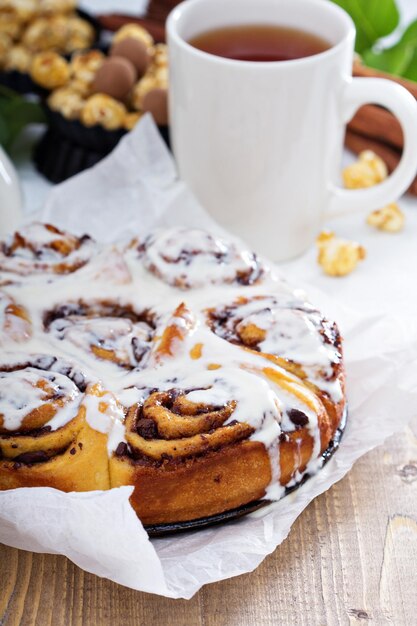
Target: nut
[[148, 83], [367, 171], [338, 257], [390, 218]]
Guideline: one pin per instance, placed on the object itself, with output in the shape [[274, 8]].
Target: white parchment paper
[[132, 190]]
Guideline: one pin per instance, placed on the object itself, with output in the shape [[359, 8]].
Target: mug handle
[[402, 104]]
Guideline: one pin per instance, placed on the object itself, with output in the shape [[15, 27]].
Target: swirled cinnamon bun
[[294, 335], [15, 322], [105, 330], [187, 258], [45, 438], [181, 365], [43, 249], [215, 428]]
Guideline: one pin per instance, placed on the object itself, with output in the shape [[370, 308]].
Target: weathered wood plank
[[350, 559]]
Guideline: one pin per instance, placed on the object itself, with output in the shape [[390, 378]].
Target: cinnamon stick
[[378, 123], [357, 143]]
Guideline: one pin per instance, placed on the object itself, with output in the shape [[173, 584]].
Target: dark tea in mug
[[259, 42]]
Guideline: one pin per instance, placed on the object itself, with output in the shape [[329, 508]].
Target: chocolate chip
[[121, 449], [146, 428], [80, 445], [73, 451], [298, 417], [38, 456]]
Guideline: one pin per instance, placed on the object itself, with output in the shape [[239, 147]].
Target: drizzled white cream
[[106, 415], [40, 249], [144, 280], [20, 394], [123, 341], [190, 258], [12, 325]]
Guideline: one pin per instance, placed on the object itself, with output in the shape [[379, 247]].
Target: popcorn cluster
[[367, 171], [338, 257], [32, 26], [113, 91]]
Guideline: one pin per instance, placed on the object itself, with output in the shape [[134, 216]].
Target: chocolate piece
[[134, 51], [121, 449], [146, 428], [297, 417], [156, 102], [27, 458], [115, 77]]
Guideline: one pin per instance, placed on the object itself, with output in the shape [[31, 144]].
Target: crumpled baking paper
[[132, 190]]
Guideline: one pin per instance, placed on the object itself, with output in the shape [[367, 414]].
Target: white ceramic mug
[[260, 143]]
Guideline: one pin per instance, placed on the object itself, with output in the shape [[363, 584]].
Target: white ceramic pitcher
[[10, 195]]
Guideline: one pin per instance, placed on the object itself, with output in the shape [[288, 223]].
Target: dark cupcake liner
[[68, 147], [22, 83], [92, 138]]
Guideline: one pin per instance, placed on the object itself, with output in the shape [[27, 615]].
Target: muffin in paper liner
[[68, 147]]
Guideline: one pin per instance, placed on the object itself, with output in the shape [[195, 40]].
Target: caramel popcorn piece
[[67, 102], [338, 257], [18, 58], [84, 65], [10, 23], [104, 110], [160, 55], [50, 70], [367, 171], [390, 218], [6, 42], [135, 31], [131, 119]]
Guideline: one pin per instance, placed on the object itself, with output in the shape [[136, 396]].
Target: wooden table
[[351, 558]]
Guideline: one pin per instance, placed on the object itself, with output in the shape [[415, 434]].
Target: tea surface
[[258, 42]]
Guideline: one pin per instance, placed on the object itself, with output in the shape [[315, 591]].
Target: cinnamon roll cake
[[179, 363]]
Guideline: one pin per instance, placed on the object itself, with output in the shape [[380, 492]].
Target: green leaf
[[373, 19], [15, 114], [400, 59]]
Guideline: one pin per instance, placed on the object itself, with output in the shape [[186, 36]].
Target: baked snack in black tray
[[58, 155], [39, 26], [100, 95]]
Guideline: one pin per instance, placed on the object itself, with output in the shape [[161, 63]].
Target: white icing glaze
[[106, 415], [194, 258], [206, 280], [20, 394], [12, 326], [40, 248]]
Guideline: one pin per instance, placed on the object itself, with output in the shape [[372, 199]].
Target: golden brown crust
[[201, 486], [83, 466]]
